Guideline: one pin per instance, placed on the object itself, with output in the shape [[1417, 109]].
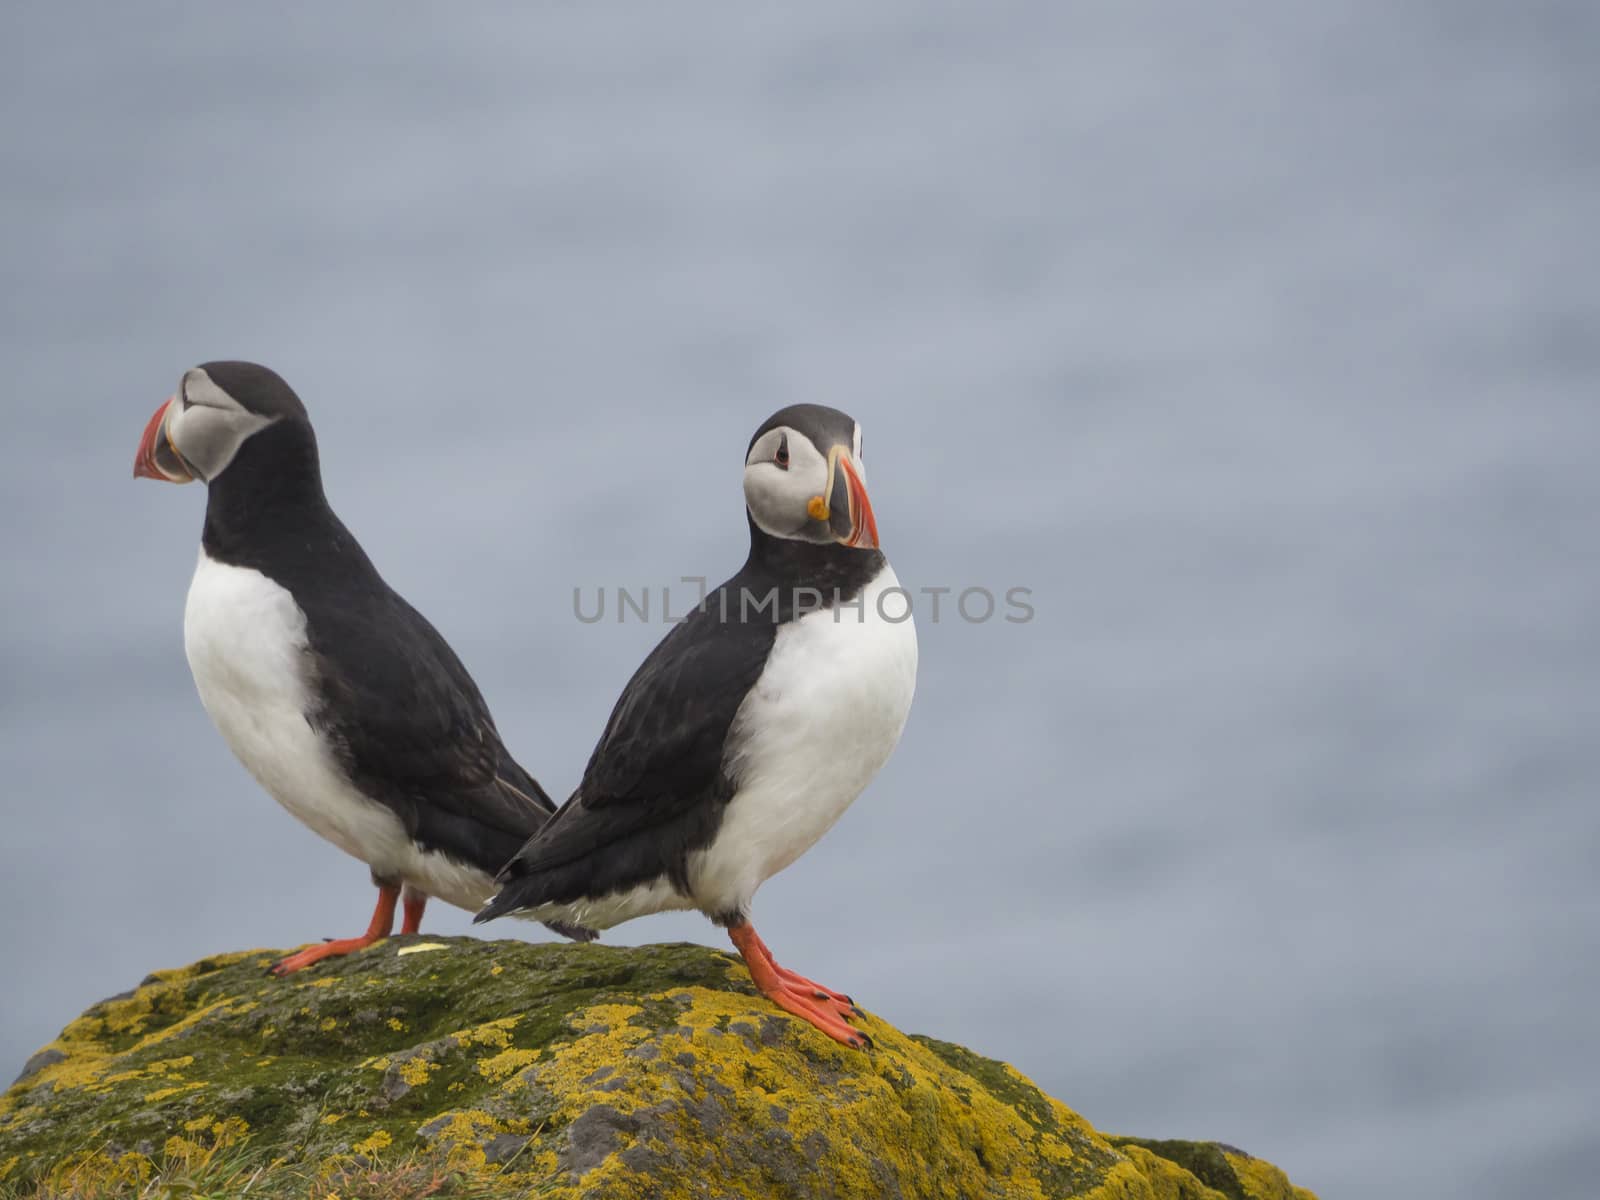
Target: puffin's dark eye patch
[[782, 456]]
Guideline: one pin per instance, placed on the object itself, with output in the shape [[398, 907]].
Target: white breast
[[820, 722], [246, 642]]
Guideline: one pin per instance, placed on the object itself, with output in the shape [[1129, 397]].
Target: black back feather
[[405, 719], [659, 780]]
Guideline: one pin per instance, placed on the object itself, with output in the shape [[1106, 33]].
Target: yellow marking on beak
[[818, 505]]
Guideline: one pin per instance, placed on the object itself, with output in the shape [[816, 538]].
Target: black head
[[256, 389], [225, 413], [804, 480]]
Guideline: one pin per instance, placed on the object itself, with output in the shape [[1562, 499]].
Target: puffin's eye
[[782, 456]]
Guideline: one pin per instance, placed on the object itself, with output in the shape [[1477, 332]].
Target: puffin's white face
[[196, 433], [803, 492]]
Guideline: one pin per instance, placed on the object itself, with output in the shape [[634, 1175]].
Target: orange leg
[[415, 902], [382, 923], [801, 998], [846, 1006]]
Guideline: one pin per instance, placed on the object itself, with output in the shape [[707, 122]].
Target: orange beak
[[863, 531], [157, 457], [863, 525]]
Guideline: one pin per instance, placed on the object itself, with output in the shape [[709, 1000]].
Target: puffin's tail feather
[[502, 902], [578, 933]]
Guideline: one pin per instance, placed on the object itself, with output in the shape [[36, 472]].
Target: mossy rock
[[553, 1071]]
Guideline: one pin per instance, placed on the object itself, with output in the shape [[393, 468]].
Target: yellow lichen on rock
[[380, 1140], [1263, 1181], [415, 1071], [507, 1062], [706, 1060], [162, 1093], [1167, 1180], [496, 1033], [166, 1065], [561, 1071]]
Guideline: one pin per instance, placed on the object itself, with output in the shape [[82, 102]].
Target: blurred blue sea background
[[1259, 341]]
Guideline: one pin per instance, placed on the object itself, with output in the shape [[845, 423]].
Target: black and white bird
[[336, 695], [750, 728]]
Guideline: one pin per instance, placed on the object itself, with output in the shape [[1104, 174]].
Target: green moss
[[1206, 1161], [1229, 1172], [556, 1070]]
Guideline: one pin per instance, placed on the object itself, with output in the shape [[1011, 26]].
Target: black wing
[[656, 786], [413, 732]]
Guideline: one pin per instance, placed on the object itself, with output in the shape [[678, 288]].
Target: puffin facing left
[[336, 695]]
